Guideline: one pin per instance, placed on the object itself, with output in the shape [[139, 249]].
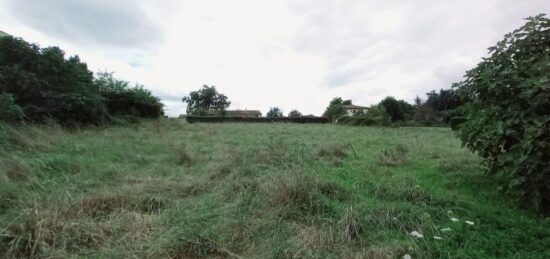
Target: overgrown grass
[[171, 189]]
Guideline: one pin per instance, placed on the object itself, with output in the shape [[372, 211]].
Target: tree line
[[40, 84], [437, 109], [501, 111]]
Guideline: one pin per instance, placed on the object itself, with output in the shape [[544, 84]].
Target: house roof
[[351, 106]]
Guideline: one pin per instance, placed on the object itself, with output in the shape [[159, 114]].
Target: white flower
[[446, 229], [407, 256], [471, 223], [416, 234], [438, 238], [453, 219]]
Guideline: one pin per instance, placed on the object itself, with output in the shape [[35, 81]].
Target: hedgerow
[[194, 119], [39, 84]]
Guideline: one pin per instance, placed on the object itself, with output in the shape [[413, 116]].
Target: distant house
[[354, 109]]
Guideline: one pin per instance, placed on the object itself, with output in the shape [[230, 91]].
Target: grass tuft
[[393, 157]]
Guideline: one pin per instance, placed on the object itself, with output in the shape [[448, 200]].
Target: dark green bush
[[9, 110], [121, 99], [359, 121], [43, 85], [46, 85], [506, 112]]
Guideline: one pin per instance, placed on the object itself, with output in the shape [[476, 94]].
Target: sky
[[293, 54]]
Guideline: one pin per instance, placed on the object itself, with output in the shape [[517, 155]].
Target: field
[[171, 189]]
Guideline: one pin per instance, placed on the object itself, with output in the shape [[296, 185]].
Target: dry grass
[[251, 191], [393, 157], [88, 223]]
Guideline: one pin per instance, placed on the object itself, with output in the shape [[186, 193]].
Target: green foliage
[[295, 114], [9, 110], [274, 112], [46, 86], [335, 111], [205, 99], [121, 99], [397, 110], [506, 112], [438, 108]]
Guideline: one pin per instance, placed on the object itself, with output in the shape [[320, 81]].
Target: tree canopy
[[274, 112], [506, 112], [335, 110], [294, 114], [37, 84], [206, 99]]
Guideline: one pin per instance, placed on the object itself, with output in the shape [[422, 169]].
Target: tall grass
[[171, 189]]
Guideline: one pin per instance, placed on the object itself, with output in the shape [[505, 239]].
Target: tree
[[445, 100], [46, 85], [505, 114], [204, 100], [335, 111], [393, 108], [121, 99], [274, 112], [294, 114], [9, 110]]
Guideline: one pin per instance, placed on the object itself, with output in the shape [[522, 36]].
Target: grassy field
[[171, 189]]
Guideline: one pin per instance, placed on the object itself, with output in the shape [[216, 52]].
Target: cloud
[[405, 47], [294, 54], [105, 23]]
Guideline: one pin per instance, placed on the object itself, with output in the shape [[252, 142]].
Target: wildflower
[[407, 256], [453, 219], [416, 234], [446, 229], [471, 223], [438, 238]]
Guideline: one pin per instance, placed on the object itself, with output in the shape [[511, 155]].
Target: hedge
[[213, 119]]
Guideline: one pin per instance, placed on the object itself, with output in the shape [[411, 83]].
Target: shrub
[[42, 84], [9, 110], [505, 115], [46, 85], [121, 99]]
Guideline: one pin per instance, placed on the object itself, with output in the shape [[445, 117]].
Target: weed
[[183, 156], [395, 157]]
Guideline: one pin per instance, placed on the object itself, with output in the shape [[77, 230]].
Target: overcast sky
[[294, 54]]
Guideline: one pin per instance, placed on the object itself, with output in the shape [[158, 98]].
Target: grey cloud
[[106, 23], [432, 33]]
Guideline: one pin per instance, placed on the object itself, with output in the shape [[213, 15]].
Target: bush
[[46, 85], [41, 84], [359, 121], [194, 119], [122, 100], [505, 115], [9, 110]]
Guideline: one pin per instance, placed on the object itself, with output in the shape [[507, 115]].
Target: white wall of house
[[351, 112]]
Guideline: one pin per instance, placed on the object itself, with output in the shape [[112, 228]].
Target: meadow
[[169, 189]]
